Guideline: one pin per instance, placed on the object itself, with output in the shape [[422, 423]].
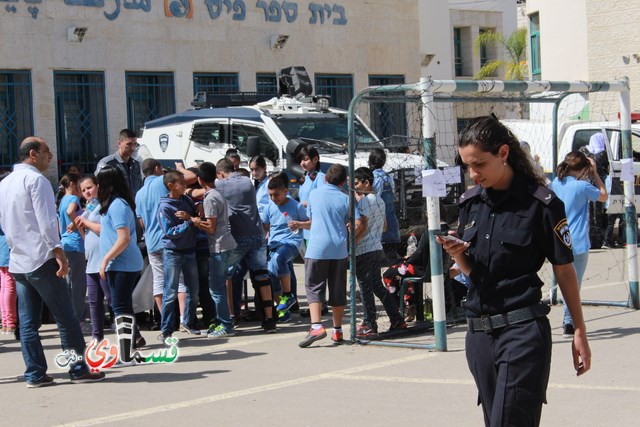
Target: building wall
[[375, 37], [563, 38], [613, 42]]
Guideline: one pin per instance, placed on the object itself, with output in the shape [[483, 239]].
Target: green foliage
[[515, 66]]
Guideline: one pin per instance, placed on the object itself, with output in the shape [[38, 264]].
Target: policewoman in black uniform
[[511, 222]]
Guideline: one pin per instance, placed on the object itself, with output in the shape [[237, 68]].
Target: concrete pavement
[[259, 378]]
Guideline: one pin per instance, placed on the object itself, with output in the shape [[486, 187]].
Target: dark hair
[[232, 155], [112, 184], [126, 134], [65, 182], [336, 175], [311, 152], [149, 166], [363, 174], [488, 134], [171, 176], [75, 165], [244, 172], [207, 172], [230, 151], [574, 161], [259, 161], [377, 158], [25, 148], [278, 181], [224, 166], [91, 177]]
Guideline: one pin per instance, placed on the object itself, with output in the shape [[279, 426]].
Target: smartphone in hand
[[446, 236]]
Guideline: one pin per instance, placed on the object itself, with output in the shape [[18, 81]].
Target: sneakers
[[313, 336], [163, 337], [42, 382], [89, 377], [398, 326], [284, 316], [567, 330], [269, 325], [220, 332], [186, 328], [365, 332], [286, 302], [337, 337]]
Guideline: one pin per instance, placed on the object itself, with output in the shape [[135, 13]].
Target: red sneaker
[[337, 337], [313, 336]]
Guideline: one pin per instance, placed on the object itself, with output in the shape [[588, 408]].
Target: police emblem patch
[[164, 142], [562, 232]]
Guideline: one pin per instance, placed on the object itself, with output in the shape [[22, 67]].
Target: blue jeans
[[254, 251], [34, 288], [174, 263], [218, 287], [580, 264], [121, 285], [280, 263]]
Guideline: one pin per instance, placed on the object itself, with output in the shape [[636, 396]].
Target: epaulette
[[470, 194], [544, 194]]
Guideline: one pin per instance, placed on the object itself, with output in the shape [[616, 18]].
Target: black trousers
[[511, 370]]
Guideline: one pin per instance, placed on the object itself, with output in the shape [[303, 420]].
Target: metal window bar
[[267, 84], [16, 113], [214, 83], [387, 120], [149, 96], [81, 118], [339, 88], [457, 49]]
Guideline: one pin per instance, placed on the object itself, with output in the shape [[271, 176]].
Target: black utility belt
[[488, 323]]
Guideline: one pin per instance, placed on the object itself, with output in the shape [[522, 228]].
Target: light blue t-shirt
[[147, 202], [4, 250], [279, 233], [576, 195], [262, 195], [92, 242], [329, 212], [305, 191], [118, 216], [71, 242]]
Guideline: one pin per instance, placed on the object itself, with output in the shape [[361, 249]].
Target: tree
[[515, 67]]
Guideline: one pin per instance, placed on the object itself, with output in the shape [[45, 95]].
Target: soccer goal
[[420, 122]]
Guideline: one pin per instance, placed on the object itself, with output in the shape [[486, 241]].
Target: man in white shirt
[[28, 218]]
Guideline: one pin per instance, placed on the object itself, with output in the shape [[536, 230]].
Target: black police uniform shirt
[[511, 233]]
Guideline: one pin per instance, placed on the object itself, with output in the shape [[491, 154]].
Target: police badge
[[164, 142], [562, 232]]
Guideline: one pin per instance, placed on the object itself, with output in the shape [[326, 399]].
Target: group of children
[[256, 225]]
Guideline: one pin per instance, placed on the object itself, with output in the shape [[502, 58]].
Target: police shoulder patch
[[562, 232]]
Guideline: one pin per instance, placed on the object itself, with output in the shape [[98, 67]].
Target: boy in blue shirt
[[326, 257], [281, 218], [176, 215]]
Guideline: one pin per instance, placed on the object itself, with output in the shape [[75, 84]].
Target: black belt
[[488, 323]]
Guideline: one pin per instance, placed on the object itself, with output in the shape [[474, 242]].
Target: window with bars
[[16, 113], [457, 51], [214, 83], [387, 119], [81, 118], [149, 96], [339, 89], [267, 84]]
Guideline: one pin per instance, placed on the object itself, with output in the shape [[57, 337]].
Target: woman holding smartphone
[[511, 223]]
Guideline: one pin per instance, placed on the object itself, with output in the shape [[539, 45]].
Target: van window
[[205, 133], [241, 132], [582, 137]]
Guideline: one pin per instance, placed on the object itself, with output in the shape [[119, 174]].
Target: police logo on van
[[562, 232], [164, 142]]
